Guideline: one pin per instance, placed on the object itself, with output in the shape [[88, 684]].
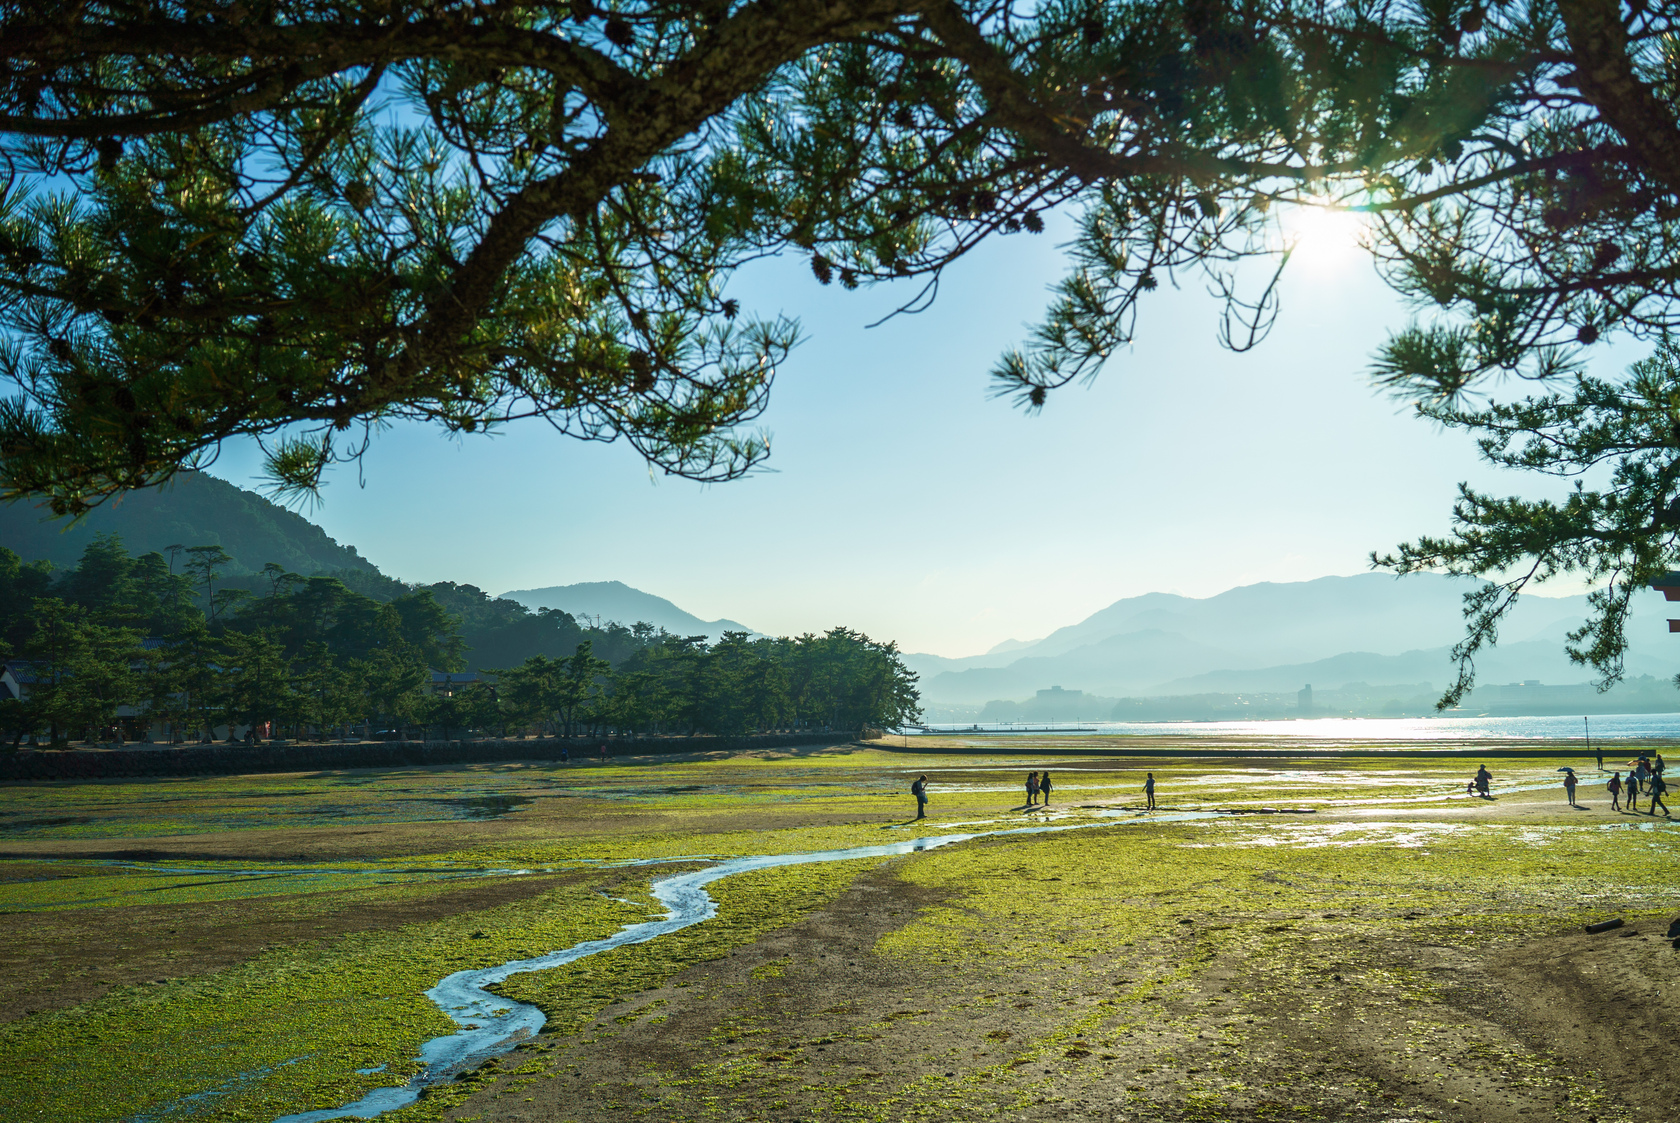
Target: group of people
[[1644, 774], [1038, 784]]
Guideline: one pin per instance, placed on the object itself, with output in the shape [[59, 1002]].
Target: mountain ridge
[[1340, 628], [194, 509], [623, 604]]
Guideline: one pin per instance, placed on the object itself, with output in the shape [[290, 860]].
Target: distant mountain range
[[1333, 631], [194, 509], [607, 601]]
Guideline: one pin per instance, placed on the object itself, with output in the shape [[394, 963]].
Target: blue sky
[[905, 502]]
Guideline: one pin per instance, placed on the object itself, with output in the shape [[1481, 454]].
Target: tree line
[[122, 645]]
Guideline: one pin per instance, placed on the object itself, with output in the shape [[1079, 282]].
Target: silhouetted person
[[1149, 791], [1614, 787], [1658, 787], [919, 790], [1483, 776], [1044, 786], [1569, 787], [1032, 789]]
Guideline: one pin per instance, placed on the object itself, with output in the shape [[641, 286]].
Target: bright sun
[[1325, 239]]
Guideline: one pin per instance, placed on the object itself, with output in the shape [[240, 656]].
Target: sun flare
[[1323, 239]]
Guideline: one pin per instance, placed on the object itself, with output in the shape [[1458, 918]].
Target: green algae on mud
[[290, 1026], [287, 1030]]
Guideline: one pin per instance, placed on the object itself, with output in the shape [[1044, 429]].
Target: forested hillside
[[194, 510], [130, 643]]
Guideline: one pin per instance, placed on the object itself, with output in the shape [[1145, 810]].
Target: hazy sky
[[905, 502]]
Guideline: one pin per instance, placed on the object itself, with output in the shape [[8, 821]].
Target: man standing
[[919, 790], [1149, 791]]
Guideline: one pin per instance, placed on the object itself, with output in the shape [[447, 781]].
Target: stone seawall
[[222, 760]]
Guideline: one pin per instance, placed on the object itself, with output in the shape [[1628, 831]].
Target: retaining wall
[[221, 760]]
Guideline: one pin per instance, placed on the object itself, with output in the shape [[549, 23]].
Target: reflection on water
[[1616, 727]]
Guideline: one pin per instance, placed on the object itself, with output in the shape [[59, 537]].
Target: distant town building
[[1057, 694], [1303, 699]]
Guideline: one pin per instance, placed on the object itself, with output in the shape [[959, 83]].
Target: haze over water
[[1611, 727]]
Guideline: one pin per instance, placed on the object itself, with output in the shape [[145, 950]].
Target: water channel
[[492, 1025]]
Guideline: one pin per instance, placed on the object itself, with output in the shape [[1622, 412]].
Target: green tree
[[1619, 534], [205, 566], [528, 692], [743, 688], [394, 684], [295, 223], [256, 681], [186, 688], [21, 585], [83, 672], [579, 687]]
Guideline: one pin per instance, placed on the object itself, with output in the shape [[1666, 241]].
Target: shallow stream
[[492, 1025]]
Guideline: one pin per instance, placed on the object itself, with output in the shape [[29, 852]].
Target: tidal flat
[[1293, 936]]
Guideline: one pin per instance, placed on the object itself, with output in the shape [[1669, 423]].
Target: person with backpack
[[1658, 786], [1614, 787], [919, 790]]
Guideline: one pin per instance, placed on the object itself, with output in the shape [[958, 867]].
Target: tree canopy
[[125, 641], [296, 220]]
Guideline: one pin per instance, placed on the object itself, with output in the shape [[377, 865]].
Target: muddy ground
[[1541, 1025], [1235, 1010]]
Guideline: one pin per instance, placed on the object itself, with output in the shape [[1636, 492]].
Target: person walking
[[919, 790], [1657, 765], [1658, 787], [1631, 786], [1149, 791], [1032, 789], [1044, 787], [1569, 785], [1614, 787]]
